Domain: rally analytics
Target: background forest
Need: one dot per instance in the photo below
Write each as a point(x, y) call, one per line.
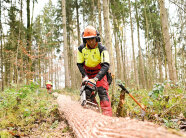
point(145, 45)
point(145, 40)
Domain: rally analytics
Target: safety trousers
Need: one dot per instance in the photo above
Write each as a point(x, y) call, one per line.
point(103, 87)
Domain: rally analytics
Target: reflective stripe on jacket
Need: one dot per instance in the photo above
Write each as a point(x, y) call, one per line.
point(92, 57)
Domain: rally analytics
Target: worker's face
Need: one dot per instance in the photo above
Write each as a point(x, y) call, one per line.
point(91, 42)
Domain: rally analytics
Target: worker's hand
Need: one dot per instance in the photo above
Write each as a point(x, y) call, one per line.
point(94, 80)
point(85, 78)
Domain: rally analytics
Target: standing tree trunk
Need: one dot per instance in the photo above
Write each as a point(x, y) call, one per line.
point(99, 17)
point(108, 41)
point(175, 54)
point(147, 75)
point(77, 73)
point(65, 47)
point(123, 53)
point(22, 76)
point(77, 16)
point(71, 61)
point(29, 62)
point(166, 36)
point(39, 65)
point(160, 64)
point(134, 61)
point(183, 54)
point(141, 65)
point(116, 30)
point(50, 65)
point(93, 20)
point(1, 34)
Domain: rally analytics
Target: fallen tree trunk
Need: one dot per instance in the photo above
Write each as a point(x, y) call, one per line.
point(87, 123)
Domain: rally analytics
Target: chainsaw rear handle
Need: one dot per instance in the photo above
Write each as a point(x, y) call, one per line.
point(89, 84)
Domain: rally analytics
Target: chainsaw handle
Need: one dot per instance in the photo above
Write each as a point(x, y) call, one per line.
point(87, 81)
point(89, 84)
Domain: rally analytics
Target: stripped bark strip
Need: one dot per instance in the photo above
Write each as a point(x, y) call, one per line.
point(120, 104)
point(89, 124)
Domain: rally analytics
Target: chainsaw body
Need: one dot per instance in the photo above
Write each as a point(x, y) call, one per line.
point(88, 92)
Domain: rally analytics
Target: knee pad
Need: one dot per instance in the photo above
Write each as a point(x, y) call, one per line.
point(102, 92)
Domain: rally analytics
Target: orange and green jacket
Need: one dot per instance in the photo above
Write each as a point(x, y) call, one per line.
point(93, 60)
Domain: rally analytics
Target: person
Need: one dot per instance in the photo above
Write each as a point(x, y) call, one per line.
point(49, 87)
point(93, 63)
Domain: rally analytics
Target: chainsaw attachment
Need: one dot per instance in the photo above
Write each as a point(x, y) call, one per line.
point(88, 92)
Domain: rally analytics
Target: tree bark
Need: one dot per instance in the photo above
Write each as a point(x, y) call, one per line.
point(118, 57)
point(124, 53)
point(166, 36)
point(65, 46)
point(141, 65)
point(108, 42)
point(119, 111)
point(147, 48)
point(20, 45)
point(29, 62)
point(93, 13)
point(87, 123)
point(99, 17)
point(133, 53)
point(77, 17)
point(160, 65)
point(1, 38)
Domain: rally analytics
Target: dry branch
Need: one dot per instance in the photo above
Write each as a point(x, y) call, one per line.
point(87, 123)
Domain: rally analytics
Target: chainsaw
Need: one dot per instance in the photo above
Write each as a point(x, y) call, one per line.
point(88, 92)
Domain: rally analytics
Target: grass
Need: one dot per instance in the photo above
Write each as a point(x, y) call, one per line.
point(165, 105)
point(23, 109)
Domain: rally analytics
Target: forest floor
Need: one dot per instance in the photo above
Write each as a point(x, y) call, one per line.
point(58, 129)
point(30, 112)
point(62, 130)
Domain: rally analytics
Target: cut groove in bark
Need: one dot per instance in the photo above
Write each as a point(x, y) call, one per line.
point(87, 123)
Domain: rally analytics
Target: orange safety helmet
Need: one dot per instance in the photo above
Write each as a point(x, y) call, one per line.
point(90, 32)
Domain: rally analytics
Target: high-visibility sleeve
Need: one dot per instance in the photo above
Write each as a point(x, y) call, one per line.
point(80, 58)
point(105, 57)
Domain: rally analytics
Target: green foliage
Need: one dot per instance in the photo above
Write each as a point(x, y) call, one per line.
point(66, 129)
point(170, 124)
point(5, 134)
point(163, 104)
point(157, 91)
point(120, 10)
point(21, 109)
point(55, 124)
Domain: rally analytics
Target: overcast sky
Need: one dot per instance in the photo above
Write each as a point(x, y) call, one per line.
point(40, 5)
